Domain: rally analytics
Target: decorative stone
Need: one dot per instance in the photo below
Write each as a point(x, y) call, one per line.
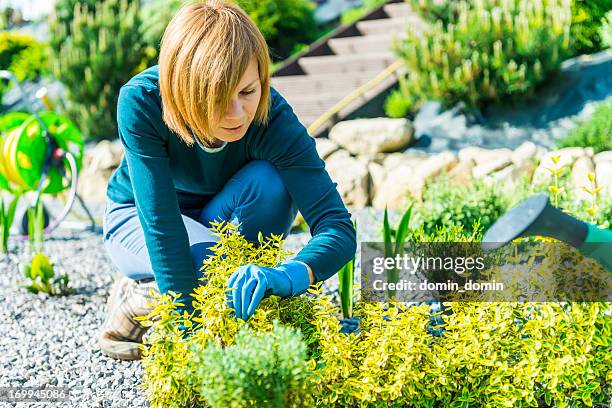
point(525, 151)
point(370, 136)
point(396, 159)
point(435, 165)
point(567, 157)
point(486, 168)
point(377, 178)
point(325, 147)
point(579, 178)
point(479, 156)
point(461, 173)
point(603, 173)
point(352, 178)
point(400, 186)
point(104, 156)
point(602, 157)
point(510, 176)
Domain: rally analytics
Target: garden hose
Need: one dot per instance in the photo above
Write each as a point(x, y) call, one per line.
point(537, 216)
point(28, 143)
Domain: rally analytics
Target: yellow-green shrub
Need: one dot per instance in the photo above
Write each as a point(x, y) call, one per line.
point(491, 354)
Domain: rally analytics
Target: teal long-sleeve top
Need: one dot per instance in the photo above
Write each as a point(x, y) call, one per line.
point(162, 175)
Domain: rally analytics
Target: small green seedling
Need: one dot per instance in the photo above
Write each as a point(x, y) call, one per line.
point(36, 227)
point(7, 215)
point(346, 277)
point(394, 243)
point(42, 276)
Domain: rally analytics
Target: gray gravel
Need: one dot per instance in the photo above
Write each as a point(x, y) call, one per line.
point(52, 340)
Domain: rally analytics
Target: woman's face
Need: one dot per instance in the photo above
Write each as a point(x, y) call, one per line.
point(243, 106)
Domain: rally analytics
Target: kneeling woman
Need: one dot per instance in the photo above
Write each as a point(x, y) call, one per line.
point(207, 139)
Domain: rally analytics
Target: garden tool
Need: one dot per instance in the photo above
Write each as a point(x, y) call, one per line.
point(537, 216)
point(35, 151)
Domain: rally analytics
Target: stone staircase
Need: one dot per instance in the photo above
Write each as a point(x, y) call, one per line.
point(350, 56)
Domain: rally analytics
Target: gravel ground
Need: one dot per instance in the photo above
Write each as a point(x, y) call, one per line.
point(53, 340)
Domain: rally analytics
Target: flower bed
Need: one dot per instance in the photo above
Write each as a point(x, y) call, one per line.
point(292, 351)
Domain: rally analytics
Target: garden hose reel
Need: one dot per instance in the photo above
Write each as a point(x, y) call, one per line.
point(537, 216)
point(36, 150)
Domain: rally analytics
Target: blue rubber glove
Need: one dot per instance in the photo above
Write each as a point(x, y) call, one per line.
point(250, 284)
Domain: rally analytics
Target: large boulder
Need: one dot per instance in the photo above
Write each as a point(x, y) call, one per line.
point(580, 177)
point(406, 181)
point(567, 157)
point(602, 157)
point(603, 173)
point(526, 151)
point(352, 178)
point(325, 147)
point(98, 166)
point(401, 185)
point(478, 155)
point(371, 136)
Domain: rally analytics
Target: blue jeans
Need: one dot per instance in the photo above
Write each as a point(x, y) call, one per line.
point(254, 197)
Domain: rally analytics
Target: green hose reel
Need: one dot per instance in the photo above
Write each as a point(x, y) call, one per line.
point(23, 148)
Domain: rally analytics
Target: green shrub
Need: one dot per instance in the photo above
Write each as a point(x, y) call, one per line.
point(434, 10)
point(7, 216)
point(21, 54)
point(491, 354)
point(283, 23)
point(596, 132)
point(446, 206)
point(95, 50)
point(396, 105)
point(352, 15)
point(491, 51)
point(287, 25)
point(606, 30)
point(259, 369)
point(587, 18)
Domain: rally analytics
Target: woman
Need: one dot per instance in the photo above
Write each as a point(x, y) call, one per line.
point(207, 139)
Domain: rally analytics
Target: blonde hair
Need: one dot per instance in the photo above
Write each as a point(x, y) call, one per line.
point(204, 53)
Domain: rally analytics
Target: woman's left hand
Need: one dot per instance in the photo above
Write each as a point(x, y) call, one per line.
point(250, 284)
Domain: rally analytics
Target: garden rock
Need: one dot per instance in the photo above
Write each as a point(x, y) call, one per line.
point(481, 156)
point(461, 173)
point(511, 175)
point(579, 178)
point(399, 186)
point(104, 156)
point(377, 178)
point(435, 165)
point(396, 159)
point(603, 157)
point(491, 166)
point(325, 147)
point(98, 166)
point(352, 177)
point(567, 157)
point(370, 136)
point(524, 152)
point(603, 173)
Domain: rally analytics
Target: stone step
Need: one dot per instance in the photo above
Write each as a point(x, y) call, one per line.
point(364, 44)
point(317, 83)
point(390, 25)
point(347, 63)
point(308, 108)
point(398, 9)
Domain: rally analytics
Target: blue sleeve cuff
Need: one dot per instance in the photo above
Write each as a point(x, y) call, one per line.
point(297, 272)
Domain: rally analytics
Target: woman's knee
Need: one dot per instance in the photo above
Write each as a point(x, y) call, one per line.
point(265, 179)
